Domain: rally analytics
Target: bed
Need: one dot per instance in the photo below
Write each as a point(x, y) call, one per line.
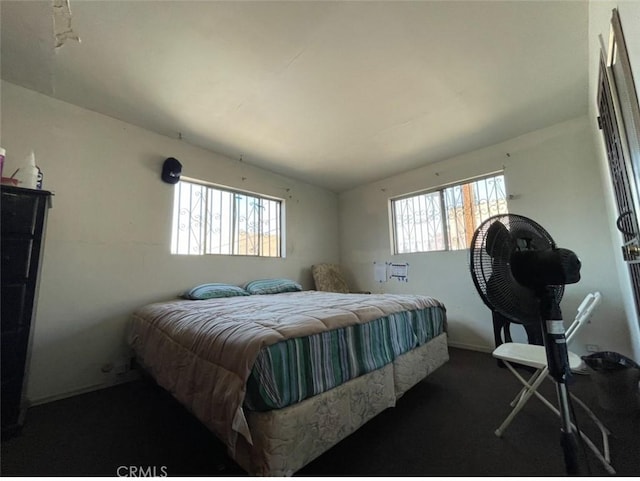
point(281, 378)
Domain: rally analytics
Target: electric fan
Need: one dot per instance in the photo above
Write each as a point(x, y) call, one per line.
point(492, 247)
point(520, 273)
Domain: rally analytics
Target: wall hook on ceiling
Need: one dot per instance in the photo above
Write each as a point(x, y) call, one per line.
point(241, 161)
point(288, 194)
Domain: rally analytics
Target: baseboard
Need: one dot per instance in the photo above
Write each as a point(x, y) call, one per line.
point(120, 379)
point(471, 347)
point(135, 374)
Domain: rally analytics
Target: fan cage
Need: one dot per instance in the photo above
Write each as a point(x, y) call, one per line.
point(492, 246)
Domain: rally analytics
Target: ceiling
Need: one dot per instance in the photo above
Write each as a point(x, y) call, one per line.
point(337, 94)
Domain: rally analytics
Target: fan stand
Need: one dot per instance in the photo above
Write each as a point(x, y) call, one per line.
point(558, 361)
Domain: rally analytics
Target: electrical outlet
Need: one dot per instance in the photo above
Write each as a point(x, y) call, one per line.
point(106, 368)
point(122, 367)
point(592, 348)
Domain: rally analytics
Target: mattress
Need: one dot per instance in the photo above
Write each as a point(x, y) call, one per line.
point(296, 369)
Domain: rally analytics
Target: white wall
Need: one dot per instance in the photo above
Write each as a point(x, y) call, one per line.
point(599, 26)
point(107, 249)
point(107, 245)
point(554, 175)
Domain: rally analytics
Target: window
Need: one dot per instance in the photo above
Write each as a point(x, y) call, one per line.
point(208, 220)
point(445, 219)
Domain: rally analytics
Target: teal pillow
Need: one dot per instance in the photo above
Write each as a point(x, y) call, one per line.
point(272, 286)
point(213, 290)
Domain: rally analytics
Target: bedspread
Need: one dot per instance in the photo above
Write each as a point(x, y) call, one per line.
point(203, 351)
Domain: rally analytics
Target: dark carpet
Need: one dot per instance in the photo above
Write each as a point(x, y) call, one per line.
point(444, 426)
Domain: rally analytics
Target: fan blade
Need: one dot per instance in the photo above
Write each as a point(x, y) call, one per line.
point(511, 299)
point(498, 239)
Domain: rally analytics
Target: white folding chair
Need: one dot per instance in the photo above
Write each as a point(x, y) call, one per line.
point(535, 356)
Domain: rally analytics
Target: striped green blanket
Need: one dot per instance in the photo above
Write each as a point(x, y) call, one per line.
point(293, 370)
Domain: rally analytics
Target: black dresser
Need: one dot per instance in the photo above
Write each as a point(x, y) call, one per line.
point(24, 216)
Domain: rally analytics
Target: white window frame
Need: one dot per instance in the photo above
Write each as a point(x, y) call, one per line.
point(431, 210)
point(209, 230)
